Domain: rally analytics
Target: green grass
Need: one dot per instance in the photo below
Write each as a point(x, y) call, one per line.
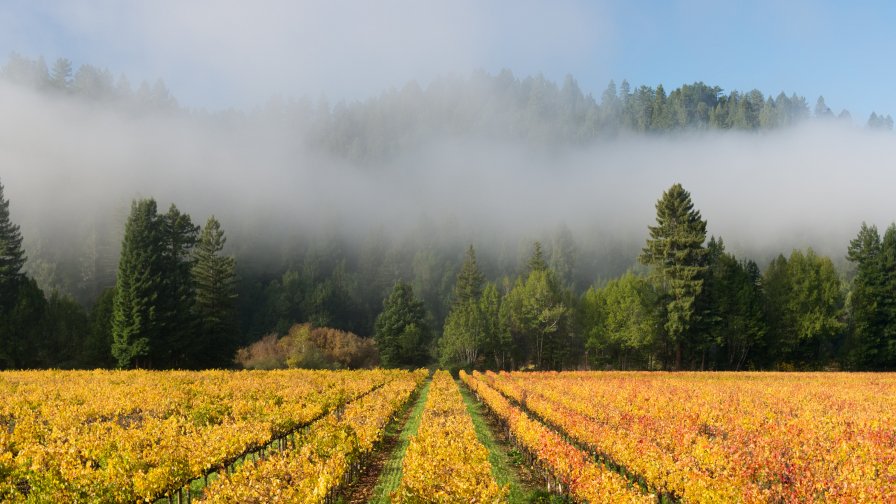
point(390, 477)
point(505, 460)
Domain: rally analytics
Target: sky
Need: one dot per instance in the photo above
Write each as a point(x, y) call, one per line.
point(219, 54)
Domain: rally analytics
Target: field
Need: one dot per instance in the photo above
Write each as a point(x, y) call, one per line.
point(400, 436)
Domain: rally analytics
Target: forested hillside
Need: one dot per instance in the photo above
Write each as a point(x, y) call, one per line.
point(128, 285)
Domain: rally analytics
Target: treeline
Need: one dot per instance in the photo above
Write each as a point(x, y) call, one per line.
point(88, 82)
point(174, 300)
point(696, 307)
point(173, 304)
point(690, 304)
point(503, 106)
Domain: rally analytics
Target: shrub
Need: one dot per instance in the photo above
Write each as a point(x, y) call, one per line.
point(309, 347)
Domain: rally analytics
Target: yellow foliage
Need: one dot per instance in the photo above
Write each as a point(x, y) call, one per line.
point(445, 462)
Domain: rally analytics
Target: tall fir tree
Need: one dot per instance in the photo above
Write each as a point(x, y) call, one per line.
point(867, 319)
point(135, 307)
point(178, 345)
point(468, 286)
point(215, 280)
point(676, 253)
point(12, 283)
point(12, 256)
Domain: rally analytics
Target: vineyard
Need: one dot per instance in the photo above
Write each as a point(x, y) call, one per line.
point(144, 436)
point(703, 437)
point(306, 436)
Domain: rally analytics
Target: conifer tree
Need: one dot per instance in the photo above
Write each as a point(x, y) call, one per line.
point(12, 256)
point(178, 345)
point(873, 299)
point(536, 261)
point(867, 319)
point(468, 286)
point(135, 312)
point(676, 253)
point(215, 280)
point(401, 331)
point(14, 292)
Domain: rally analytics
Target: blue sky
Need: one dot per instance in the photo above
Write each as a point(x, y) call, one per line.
point(225, 53)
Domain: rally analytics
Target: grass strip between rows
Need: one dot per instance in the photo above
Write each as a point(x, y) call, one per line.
point(391, 474)
point(445, 462)
point(575, 470)
point(503, 467)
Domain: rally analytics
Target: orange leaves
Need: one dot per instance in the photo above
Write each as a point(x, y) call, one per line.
point(445, 462)
point(585, 479)
point(105, 436)
point(729, 437)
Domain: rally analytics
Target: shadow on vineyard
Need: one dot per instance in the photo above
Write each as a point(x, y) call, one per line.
point(598, 457)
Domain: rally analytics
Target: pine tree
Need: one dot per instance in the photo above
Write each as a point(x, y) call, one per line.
point(12, 256)
point(676, 253)
point(13, 286)
point(178, 345)
point(61, 75)
point(135, 312)
point(867, 320)
point(215, 281)
point(468, 286)
point(536, 261)
point(401, 332)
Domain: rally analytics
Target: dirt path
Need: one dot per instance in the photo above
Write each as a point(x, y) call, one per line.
point(383, 472)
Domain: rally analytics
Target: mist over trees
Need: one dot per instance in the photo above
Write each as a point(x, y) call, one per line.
point(498, 107)
point(153, 289)
point(697, 307)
